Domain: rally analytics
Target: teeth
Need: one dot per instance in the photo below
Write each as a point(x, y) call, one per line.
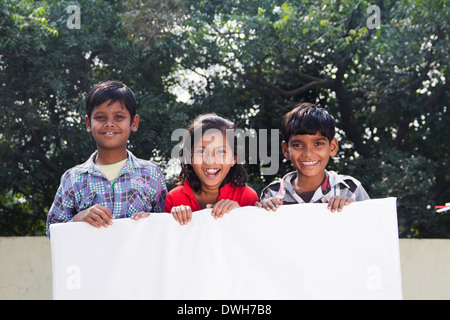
point(211, 171)
point(309, 163)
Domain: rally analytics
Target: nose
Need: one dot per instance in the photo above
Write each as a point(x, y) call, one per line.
point(109, 123)
point(208, 158)
point(305, 151)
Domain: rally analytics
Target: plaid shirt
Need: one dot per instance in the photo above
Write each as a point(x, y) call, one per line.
point(140, 186)
point(333, 185)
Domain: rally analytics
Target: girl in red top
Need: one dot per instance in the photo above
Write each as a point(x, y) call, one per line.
point(210, 175)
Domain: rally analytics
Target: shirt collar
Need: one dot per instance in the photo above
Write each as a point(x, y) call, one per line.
point(331, 179)
point(90, 167)
point(223, 192)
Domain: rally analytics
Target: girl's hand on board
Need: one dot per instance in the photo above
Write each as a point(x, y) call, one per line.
point(221, 207)
point(183, 214)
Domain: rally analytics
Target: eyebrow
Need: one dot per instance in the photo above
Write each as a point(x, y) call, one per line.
point(294, 140)
point(103, 112)
point(204, 147)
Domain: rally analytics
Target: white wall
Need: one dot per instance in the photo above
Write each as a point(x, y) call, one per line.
point(26, 268)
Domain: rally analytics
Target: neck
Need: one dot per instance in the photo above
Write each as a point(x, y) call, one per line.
point(208, 191)
point(110, 156)
point(303, 183)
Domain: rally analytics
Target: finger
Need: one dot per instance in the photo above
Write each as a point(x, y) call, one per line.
point(92, 221)
point(276, 203)
point(227, 207)
point(345, 202)
point(174, 213)
point(265, 205)
point(323, 200)
point(217, 208)
point(105, 210)
point(209, 206)
point(349, 201)
point(332, 204)
point(258, 204)
point(103, 213)
point(180, 215)
point(98, 217)
point(271, 205)
point(140, 215)
point(183, 215)
point(188, 214)
point(341, 203)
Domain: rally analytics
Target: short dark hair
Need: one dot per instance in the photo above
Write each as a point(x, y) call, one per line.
point(114, 91)
point(308, 118)
point(201, 124)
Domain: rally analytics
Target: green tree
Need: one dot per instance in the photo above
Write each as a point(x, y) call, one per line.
point(386, 86)
point(250, 61)
point(46, 71)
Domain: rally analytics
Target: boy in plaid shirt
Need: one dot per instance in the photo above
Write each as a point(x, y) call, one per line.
point(113, 183)
point(308, 133)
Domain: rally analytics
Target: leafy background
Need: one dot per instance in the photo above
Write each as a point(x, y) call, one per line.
point(250, 61)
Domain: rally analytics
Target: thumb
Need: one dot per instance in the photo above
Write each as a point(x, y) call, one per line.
point(323, 200)
point(209, 206)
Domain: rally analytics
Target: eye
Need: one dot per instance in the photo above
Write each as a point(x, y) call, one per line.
point(319, 143)
point(118, 117)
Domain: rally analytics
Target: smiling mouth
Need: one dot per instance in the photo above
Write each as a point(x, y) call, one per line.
point(309, 163)
point(109, 133)
point(211, 173)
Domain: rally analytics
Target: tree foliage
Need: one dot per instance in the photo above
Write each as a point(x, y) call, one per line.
point(250, 61)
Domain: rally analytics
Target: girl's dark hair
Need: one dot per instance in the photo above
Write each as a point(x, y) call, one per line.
point(114, 91)
point(201, 124)
point(308, 118)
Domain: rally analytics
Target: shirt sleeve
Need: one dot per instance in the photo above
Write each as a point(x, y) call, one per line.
point(270, 191)
point(160, 194)
point(168, 203)
point(63, 205)
point(361, 193)
point(249, 197)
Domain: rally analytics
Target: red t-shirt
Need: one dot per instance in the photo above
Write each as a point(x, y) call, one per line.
point(183, 195)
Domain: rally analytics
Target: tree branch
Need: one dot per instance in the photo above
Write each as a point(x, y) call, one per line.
point(40, 153)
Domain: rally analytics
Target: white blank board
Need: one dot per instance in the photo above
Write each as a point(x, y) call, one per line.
point(298, 252)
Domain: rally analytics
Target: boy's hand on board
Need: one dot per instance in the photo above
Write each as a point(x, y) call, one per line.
point(338, 203)
point(97, 216)
point(140, 215)
point(270, 203)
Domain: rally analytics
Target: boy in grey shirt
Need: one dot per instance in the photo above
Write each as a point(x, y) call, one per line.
point(308, 133)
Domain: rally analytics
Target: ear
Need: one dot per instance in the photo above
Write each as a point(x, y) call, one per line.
point(135, 123)
point(334, 147)
point(88, 123)
point(285, 150)
point(234, 161)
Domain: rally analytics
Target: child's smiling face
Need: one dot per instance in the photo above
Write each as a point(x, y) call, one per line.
point(212, 159)
point(309, 154)
point(111, 125)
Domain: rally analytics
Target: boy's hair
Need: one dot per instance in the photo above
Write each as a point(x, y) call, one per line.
point(201, 124)
point(308, 118)
point(114, 91)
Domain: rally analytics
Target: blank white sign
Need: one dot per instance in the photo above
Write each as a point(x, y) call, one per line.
point(298, 252)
